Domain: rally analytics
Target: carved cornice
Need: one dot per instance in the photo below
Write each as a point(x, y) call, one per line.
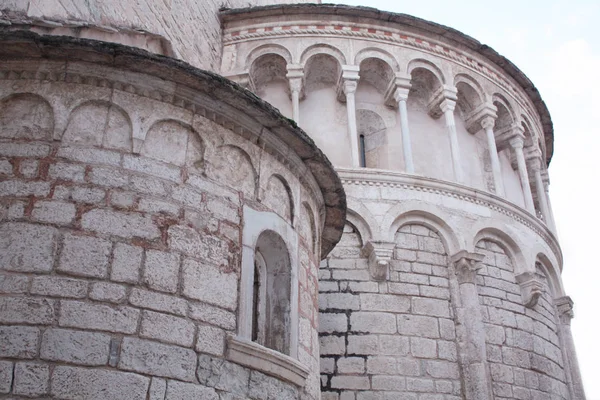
point(391, 179)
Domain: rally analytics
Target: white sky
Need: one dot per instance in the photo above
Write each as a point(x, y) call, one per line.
point(557, 44)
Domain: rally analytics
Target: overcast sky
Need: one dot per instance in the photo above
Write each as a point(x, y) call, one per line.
point(557, 44)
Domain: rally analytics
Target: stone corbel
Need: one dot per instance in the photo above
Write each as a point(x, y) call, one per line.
point(444, 95)
point(532, 287)
point(507, 136)
point(467, 265)
point(347, 81)
point(474, 120)
point(295, 75)
point(564, 306)
point(243, 79)
point(379, 254)
point(398, 86)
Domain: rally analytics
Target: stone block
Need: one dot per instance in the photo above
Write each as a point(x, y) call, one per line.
point(403, 288)
point(332, 345)
point(211, 340)
point(223, 375)
point(126, 263)
point(339, 301)
point(31, 379)
point(417, 325)
point(435, 292)
point(393, 345)
point(75, 314)
point(67, 172)
point(72, 383)
point(33, 150)
point(356, 287)
point(351, 275)
point(381, 365)
point(350, 382)
point(148, 185)
point(16, 210)
point(90, 156)
point(213, 315)
point(419, 385)
point(447, 350)
point(161, 271)
point(188, 196)
point(107, 291)
point(198, 245)
point(13, 283)
point(209, 283)
point(447, 329)
point(223, 210)
point(330, 323)
point(6, 376)
point(151, 167)
point(149, 357)
point(88, 195)
point(29, 168)
point(6, 167)
point(18, 188)
point(373, 322)
point(76, 347)
point(157, 206)
point(427, 306)
point(360, 345)
point(409, 367)
point(121, 199)
point(188, 391)
point(18, 341)
point(167, 328)
point(57, 286)
point(442, 369)
point(26, 310)
point(384, 302)
point(351, 365)
point(158, 389)
point(126, 225)
point(27, 247)
point(84, 256)
point(327, 365)
point(391, 383)
point(158, 301)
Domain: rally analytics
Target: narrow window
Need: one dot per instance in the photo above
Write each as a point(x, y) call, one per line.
point(363, 154)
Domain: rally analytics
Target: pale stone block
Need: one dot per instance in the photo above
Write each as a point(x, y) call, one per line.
point(393, 345)
point(381, 365)
point(158, 301)
point(22, 189)
point(447, 350)
point(18, 341)
point(223, 375)
point(351, 365)
point(502, 373)
point(109, 177)
point(126, 263)
point(90, 156)
point(198, 245)
point(151, 167)
point(409, 367)
point(26, 310)
point(16, 210)
point(331, 323)
point(435, 292)
point(59, 287)
point(417, 325)
point(77, 314)
point(351, 275)
point(27, 247)
point(32, 150)
point(384, 302)
point(122, 199)
point(209, 283)
point(106, 291)
point(339, 301)
point(403, 288)
point(29, 168)
point(212, 315)
point(158, 359)
point(447, 329)
point(12, 283)
point(350, 382)
point(188, 196)
point(85, 348)
point(157, 206)
point(332, 345)
point(187, 391)
point(327, 365)
point(126, 225)
point(373, 322)
point(392, 383)
point(6, 376)
point(161, 271)
point(442, 369)
point(223, 211)
point(167, 328)
point(158, 389)
point(365, 345)
point(31, 379)
point(6, 167)
point(67, 172)
point(85, 256)
point(427, 306)
point(420, 385)
point(357, 287)
point(413, 278)
point(88, 195)
point(148, 185)
point(72, 383)
point(211, 340)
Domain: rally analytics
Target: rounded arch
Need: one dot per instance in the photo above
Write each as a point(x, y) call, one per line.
point(371, 52)
point(376, 72)
point(278, 195)
point(267, 49)
point(321, 70)
point(308, 226)
point(321, 48)
point(505, 112)
point(508, 244)
point(419, 63)
point(174, 141)
point(233, 167)
point(530, 137)
point(470, 93)
point(26, 115)
point(268, 68)
point(552, 274)
point(361, 225)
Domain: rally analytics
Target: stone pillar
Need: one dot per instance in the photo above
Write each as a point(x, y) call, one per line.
point(564, 306)
point(401, 96)
point(295, 76)
point(516, 142)
point(346, 88)
point(487, 124)
point(447, 107)
point(536, 166)
point(546, 180)
point(470, 330)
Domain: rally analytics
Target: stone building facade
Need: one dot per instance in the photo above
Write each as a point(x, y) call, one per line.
point(166, 234)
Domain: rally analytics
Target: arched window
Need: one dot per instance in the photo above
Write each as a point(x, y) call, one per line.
point(271, 324)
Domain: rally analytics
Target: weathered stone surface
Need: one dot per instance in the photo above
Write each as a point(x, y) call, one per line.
point(106, 291)
point(27, 247)
point(158, 359)
point(98, 317)
point(13, 283)
point(126, 225)
point(167, 328)
point(76, 347)
point(85, 256)
point(161, 271)
point(188, 391)
point(31, 379)
point(126, 263)
point(211, 340)
point(19, 341)
point(212, 315)
point(57, 286)
point(6, 376)
point(26, 310)
point(222, 375)
point(96, 384)
point(158, 301)
point(54, 212)
point(197, 245)
point(209, 283)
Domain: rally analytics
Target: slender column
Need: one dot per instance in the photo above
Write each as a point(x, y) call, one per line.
point(551, 213)
point(295, 76)
point(487, 124)
point(401, 96)
point(516, 142)
point(470, 330)
point(564, 306)
point(536, 167)
point(447, 107)
point(350, 86)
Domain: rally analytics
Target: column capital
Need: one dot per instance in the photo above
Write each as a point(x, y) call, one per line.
point(516, 141)
point(488, 122)
point(535, 164)
point(446, 94)
point(380, 254)
point(347, 81)
point(532, 287)
point(448, 105)
point(475, 119)
point(397, 90)
point(466, 265)
point(564, 305)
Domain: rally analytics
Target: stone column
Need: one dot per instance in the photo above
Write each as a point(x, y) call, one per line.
point(401, 96)
point(564, 306)
point(350, 86)
point(295, 76)
point(487, 124)
point(547, 193)
point(447, 107)
point(470, 330)
point(516, 142)
point(536, 167)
